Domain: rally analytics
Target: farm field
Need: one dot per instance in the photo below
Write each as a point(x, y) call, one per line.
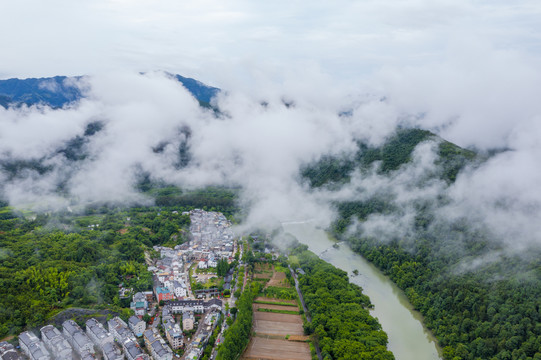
point(277, 324)
point(273, 349)
point(276, 335)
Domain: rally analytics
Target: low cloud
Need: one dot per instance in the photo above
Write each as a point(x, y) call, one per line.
point(262, 137)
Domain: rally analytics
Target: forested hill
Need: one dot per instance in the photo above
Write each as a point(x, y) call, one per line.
point(62, 90)
point(396, 151)
point(478, 304)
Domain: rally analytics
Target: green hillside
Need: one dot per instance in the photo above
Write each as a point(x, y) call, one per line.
point(492, 312)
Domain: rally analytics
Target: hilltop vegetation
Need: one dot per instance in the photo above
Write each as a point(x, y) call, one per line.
point(396, 151)
point(489, 311)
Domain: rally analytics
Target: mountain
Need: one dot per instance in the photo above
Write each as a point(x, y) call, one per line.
point(61, 90)
point(480, 300)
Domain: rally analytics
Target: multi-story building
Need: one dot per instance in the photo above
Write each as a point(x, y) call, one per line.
point(111, 351)
point(133, 351)
point(120, 331)
point(187, 320)
point(180, 289)
point(163, 294)
point(157, 346)
point(137, 325)
point(56, 343)
point(97, 333)
point(173, 334)
point(85, 355)
point(199, 306)
point(179, 306)
point(139, 304)
point(77, 338)
point(33, 347)
point(8, 352)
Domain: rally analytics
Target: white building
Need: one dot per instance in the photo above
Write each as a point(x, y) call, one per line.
point(139, 304)
point(180, 289)
point(157, 346)
point(8, 352)
point(173, 334)
point(120, 331)
point(212, 261)
point(133, 351)
point(57, 345)
point(33, 347)
point(187, 320)
point(77, 338)
point(137, 325)
point(111, 352)
point(97, 333)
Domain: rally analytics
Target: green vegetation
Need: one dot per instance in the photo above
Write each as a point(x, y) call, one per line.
point(340, 319)
point(280, 293)
point(222, 268)
point(212, 340)
point(396, 151)
point(328, 170)
point(236, 338)
point(273, 303)
point(209, 199)
point(453, 159)
point(492, 312)
point(52, 262)
point(474, 315)
point(290, 312)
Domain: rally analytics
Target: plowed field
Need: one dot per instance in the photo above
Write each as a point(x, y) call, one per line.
point(272, 349)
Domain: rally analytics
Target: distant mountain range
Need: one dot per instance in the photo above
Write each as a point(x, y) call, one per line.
point(60, 90)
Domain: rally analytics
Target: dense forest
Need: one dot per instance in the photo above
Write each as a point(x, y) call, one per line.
point(340, 318)
point(489, 312)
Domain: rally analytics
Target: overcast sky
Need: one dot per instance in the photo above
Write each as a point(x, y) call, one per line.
point(216, 40)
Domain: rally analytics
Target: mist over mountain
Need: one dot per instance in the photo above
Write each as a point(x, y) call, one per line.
point(59, 91)
point(337, 150)
point(439, 219)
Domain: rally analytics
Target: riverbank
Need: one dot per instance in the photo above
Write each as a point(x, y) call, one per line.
point(408, 338)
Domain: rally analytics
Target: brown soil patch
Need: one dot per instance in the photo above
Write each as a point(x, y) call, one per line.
point(284, 318)
point(123, 231)
point(275, 307)
point(279, 279)
point(261, 298)
point(277, 324)
point(272, 349)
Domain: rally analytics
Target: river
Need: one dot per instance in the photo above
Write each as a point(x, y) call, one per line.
point(408, 338)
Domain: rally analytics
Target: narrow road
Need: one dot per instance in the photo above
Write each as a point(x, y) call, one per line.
point(306, 313)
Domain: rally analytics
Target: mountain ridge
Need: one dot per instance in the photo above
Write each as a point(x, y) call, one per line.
point(58, 91)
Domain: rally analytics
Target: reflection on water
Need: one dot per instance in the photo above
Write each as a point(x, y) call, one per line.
point(408, 339)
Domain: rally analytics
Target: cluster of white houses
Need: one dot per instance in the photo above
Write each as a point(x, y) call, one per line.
point(211, 240)
point(118, 343)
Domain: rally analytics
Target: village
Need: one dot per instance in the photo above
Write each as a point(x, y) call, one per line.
point(188, 302)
